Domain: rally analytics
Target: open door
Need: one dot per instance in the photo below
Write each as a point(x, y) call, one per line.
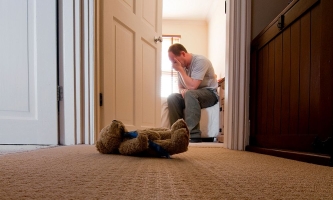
point(28, 78)
point(128, 63)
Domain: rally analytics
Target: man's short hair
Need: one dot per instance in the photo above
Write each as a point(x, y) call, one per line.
point(176, 49)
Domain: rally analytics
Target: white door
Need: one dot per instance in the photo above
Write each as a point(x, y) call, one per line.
point(28, 77)
point(129, 62)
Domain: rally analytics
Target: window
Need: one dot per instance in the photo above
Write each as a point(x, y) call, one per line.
point(169, 79)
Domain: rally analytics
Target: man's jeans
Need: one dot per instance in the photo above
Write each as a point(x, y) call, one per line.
point(193, 102)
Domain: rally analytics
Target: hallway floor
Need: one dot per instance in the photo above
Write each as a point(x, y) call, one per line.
point(7, 149)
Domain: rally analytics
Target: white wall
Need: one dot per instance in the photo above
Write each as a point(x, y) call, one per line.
point(194, 34)
point(217, 37)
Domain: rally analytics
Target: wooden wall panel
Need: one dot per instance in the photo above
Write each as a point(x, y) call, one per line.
point(270, 88)
point(304, 71)
point(326, 69)
point(253, 90)
point(294, 74)
point(278, 84)
point(285, 99)
point(292, 81)
point(260, 91)
point(265, 90)
point(314, 108)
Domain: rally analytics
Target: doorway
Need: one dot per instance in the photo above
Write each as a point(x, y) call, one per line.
point(201, 27)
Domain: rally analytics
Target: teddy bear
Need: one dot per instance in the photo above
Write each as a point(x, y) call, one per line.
point(161, 142)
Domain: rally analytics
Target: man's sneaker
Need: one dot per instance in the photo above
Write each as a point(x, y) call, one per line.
point(195, 140)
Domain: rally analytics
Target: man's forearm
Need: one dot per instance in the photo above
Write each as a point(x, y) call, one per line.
point(190, 83)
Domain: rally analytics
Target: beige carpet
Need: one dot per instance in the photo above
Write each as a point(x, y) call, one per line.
point(80, 172)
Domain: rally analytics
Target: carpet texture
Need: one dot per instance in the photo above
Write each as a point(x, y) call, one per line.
point(80, 172)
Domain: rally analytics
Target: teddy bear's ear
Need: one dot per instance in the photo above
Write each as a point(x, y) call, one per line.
point(116, 124)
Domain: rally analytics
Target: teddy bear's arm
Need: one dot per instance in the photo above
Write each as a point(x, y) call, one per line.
point(134, 146)
point(151, 134)
point(165, 134)
point(158, 129)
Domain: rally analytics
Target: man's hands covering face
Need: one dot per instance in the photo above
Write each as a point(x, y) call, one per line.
point(176, 65)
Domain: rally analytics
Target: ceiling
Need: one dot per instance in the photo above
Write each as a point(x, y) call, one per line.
point(187, 9)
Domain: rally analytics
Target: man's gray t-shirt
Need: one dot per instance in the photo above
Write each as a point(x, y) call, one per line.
point(201, 69)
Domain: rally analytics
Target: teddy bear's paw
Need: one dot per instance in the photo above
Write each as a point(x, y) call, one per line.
point(143, 139)
point(180, 140)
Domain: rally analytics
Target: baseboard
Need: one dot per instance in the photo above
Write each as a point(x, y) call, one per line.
point(320, 159)
point(220, 138)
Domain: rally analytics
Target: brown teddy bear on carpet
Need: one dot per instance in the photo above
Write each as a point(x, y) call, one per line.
point(115, 139)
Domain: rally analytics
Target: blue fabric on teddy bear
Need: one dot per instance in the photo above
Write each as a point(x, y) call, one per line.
point(160, 151)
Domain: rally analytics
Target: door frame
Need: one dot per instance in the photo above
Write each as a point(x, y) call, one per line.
point(76, 71)
point(78, 115)
point(237, 76)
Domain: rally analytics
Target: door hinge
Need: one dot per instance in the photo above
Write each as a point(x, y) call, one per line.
point(60, 93)
point(225, 7)
point(100, 99)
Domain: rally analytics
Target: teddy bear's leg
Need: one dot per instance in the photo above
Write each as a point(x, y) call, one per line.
point(134, 146)
point(178, 143)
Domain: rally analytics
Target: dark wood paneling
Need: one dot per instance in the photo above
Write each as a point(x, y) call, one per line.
point(314, 110)
point(321, 159)
point(295, 142)
point(326, 68)
point(300, 7)
point(260, 91)
point(278, 84)
point(291, 12)
point(285, 99)
point(305, 62)
point(270, 88)
point(294, 74)
point(253, 92)
point(265, 90)
point(293, 84)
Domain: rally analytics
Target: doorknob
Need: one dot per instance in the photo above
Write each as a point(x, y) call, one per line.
point(158, 39)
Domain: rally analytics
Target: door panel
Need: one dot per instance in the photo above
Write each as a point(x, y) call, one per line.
point(129, 4)
point(14, 99)
point(28, 78)
point(148, 77)
point(124, 74)
point(148, 14)
point(128, 61)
